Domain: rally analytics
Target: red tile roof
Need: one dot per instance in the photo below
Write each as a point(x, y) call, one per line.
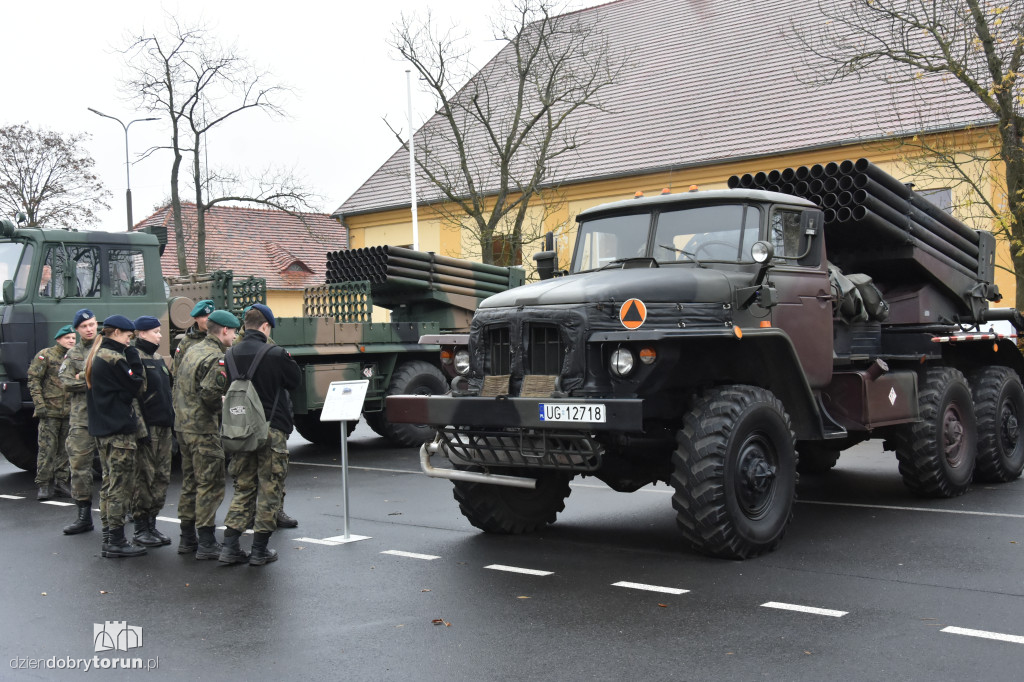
point(710, 81)
point(263, 242)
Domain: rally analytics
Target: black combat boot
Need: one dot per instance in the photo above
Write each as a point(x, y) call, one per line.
point(44, 492)
point(84, 520)
point(164, 540)
point(285, 521)
point(260, 553)
point(208, 548)
point(231, 552)
point(143, 535)
point(118, 547)
point(106, 541)
point(62, 489)
point(189, 543)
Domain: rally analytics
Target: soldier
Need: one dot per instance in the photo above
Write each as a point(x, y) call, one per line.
point(200, 383)
point(81, 447)
point(154, 451)
point(51, 407)
point(195, 334)
point(265, 468)
point(115, 377)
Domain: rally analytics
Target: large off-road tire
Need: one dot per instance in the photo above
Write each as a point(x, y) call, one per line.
point(19, 443)
point(511, 511)
point(327, 434)
point(414, 377)
point(999, 406)
point(815, 458)
point(937, 452)
point(735, 472)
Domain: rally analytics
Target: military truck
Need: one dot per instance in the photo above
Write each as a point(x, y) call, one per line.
point(712, 341)
point(49, 274)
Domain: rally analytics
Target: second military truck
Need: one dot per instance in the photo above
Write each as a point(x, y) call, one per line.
point(710, 341)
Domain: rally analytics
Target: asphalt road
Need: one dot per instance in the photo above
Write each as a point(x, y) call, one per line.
point(870, 583)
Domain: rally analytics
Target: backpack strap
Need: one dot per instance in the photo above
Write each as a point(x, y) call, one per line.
point(230, 359)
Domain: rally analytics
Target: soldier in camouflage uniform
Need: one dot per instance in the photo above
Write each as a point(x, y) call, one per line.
point(259, 480)
point(51, 408)
point(155, 450)
point(115, 377)
point(200, 383)
point(194, 335)
point(81, 447)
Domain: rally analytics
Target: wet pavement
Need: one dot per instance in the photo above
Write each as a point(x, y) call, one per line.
point(869, 583)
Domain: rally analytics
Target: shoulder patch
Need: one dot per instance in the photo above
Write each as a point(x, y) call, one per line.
point(42, 357)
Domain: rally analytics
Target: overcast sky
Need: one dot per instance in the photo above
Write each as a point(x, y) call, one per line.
point(60, 57)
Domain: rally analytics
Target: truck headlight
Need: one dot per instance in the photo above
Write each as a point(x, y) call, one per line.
point(622, 361)
point(462, 361)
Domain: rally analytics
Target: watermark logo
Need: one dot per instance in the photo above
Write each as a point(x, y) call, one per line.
point(116, 635)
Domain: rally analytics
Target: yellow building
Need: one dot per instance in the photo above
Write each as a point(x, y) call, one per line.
point(712, 89)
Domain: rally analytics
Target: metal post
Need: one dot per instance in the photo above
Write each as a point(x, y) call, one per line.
point(127, 163)
point(344, 472)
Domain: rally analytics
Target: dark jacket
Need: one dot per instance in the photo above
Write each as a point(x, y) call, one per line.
point(276, 376)
point(156, 403)
point(117, 378)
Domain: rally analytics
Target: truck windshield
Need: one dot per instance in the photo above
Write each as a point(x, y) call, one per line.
point(16, 264)
point(692, 234)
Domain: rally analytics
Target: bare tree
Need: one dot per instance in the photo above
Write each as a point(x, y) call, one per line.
point(973, 45)
point(185, 74)
point(506, 136)
point(49, 177)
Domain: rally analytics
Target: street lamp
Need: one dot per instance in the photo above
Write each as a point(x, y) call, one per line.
point(127, 165)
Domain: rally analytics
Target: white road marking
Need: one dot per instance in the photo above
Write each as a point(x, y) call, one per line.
point(318, 542)
point(338, 466)
point(916, 509)
point(12, 497)
point(410, 555)
point(168, 519)
point(805, 609)
point(55, 503)
point(1015, 639)
point(516, 569)
point(650, 588)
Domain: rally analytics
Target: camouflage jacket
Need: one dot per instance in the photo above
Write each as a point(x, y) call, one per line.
point(72, 375)
point(118, 378)
point(199, 386)
point(48, 393)
point(192, 336)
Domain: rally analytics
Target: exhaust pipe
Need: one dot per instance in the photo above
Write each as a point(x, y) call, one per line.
point(428, 449)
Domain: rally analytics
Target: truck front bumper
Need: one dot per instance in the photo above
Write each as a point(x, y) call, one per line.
point(623, 415)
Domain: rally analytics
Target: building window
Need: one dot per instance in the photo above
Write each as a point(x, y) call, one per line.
point(502, 251)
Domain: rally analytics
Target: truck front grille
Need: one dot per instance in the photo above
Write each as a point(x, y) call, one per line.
point(500, 351)
point(545, 355)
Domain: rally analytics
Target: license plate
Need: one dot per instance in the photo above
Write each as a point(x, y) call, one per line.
point(568, 412)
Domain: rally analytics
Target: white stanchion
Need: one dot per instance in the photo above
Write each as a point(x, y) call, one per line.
point(344, 403)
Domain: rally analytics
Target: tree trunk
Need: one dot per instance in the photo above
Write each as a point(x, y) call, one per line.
point(200, 213)
point(179, 230)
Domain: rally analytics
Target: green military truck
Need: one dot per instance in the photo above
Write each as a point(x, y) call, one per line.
point(47, 275)
point(706, 339)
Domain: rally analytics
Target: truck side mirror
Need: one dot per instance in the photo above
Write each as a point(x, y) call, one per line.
point(9, 291)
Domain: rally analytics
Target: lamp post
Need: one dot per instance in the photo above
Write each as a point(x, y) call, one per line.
point(127, 165)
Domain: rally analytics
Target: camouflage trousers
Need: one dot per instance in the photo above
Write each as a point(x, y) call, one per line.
point(259, 485)
point(207, 456)
point(81, 448)
point(119, 462)
point(52, 460)
point(154, 472)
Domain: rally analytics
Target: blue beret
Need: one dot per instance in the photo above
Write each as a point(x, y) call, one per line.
point(81, 316)
point(266, 312)
point(146, 322)
point(224, 319)
point(119, 322)
point(204, 307)
point(64, 331)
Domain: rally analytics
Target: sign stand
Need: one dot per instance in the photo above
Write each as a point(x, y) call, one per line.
point(344, 403)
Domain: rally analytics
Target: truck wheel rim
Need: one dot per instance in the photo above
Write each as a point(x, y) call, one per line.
point(755, 486)
point(1009, 431)
point(953, 436)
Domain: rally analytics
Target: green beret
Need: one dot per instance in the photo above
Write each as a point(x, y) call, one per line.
point(204, 307)
point(64, 331)
point(224, 319)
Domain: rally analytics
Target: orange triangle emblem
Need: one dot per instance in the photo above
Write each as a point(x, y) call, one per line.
point(632, 313)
